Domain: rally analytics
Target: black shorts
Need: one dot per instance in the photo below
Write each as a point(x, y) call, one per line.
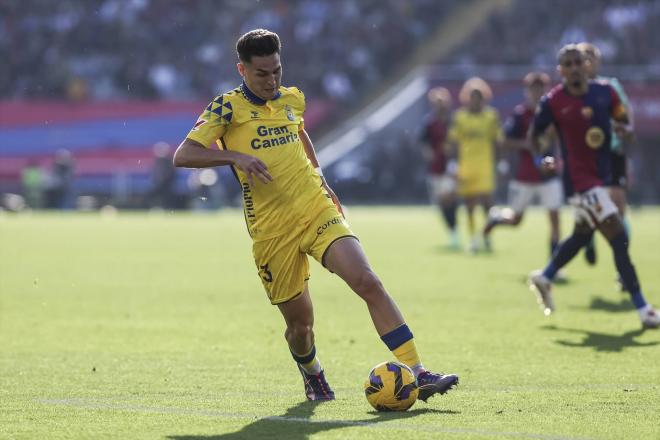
point(619, 170)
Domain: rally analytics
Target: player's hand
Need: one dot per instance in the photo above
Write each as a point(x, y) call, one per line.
point(548, 166)
point(334, 198)
point(623, 131)
point(250, 166)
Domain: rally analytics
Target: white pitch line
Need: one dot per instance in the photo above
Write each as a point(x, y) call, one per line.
point(377, 424)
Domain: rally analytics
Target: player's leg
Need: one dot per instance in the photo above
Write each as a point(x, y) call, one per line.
point(618, 195)
point(346, 258)
point(298, 315)
point(613, 230)
point(618, 191)
point(552, 198)
point(553, 217)
point(284, 271)
point(470, 205)
point(449, 206)
point(541, 280)
point(443, 194)
point(519, 197)
point(486, 202)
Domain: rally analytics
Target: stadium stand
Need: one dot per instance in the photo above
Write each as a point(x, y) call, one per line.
point(532, 32)
point(107, 80)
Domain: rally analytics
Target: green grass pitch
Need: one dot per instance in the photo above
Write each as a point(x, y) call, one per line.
point(155, 326)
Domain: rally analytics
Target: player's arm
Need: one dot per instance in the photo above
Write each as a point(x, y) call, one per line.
point(622, 123)
point(192, 154)
point(425, 143)
point(540, 137)
point(514, 137)
point(311, 155)
point(542, 120)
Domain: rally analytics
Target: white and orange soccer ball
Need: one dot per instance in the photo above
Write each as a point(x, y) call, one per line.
point(391, 386)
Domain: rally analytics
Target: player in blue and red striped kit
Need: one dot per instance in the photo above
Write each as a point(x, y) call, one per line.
point(585, 113)
point(530, 182)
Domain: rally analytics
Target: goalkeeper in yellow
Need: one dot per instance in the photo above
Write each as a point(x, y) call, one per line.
point(290, 211)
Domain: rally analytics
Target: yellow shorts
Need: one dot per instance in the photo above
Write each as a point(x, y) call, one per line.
point(282, 261)
point(475, 182)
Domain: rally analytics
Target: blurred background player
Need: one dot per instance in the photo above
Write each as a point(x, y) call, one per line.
point(163, 178)
point(59, 188)
point(530, 181)
point(619, 184)
point(583, 112)
point(474, 135)
point(441, 177)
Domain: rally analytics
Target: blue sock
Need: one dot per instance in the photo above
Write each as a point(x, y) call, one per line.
point(554, 245)
point(626, 269)
point(565, 253)
point(397, 337)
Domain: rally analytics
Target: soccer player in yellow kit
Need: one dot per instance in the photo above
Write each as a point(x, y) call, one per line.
point(290, 211)
point(474, 134)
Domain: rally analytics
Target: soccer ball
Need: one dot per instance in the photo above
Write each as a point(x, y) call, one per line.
point(391, 386)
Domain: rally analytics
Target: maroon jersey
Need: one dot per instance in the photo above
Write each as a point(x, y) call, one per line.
point(516, 127)
point(435, 135)
point(585, 132)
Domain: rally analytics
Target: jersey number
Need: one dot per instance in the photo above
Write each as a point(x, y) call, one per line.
point(265, 273)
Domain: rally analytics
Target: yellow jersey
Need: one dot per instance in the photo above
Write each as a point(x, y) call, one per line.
point(475, 134)
point(241, 121)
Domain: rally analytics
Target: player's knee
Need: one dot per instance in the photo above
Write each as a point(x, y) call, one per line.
point(583, 229)
point(612, 227)
point(300, 330)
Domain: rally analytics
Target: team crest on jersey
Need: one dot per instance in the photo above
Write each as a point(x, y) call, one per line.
point(289, 113)
point(587, 112)
point(595, 137)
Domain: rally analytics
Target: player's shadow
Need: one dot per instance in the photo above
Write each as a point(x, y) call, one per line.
point(446, 249)
point(623, 305)
point(603, 342)
point(296, 424)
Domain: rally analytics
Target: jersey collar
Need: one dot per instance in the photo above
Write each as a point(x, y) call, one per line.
point(254, 99)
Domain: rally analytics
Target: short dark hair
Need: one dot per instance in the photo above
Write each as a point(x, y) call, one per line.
point(534, 78)
point(568, 48)
point(259, 43)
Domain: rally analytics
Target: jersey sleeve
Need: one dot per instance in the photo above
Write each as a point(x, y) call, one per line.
point(302, 104)
point(213, 123)
point(543, 117)
point(618, 109)
point(454, 133)
point(513, 126)
point(498, 134)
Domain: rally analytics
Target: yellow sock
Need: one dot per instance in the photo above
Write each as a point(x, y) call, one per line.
point(407, 354)
point(309, 362)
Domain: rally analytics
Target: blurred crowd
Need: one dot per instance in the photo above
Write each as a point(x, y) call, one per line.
point(119, 49)
point(626, 32)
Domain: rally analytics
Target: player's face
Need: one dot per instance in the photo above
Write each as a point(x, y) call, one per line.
point(592, 64)
point(440, 106)
point(262, 75)
point(476, 103)
point(572, 68)
point(534, 92)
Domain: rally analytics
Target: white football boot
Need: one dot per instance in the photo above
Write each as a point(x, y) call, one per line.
point(542, 288)
point(650, 318)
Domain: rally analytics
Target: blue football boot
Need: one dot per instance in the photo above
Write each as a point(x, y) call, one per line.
point(431, 383)
point(316, 387)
